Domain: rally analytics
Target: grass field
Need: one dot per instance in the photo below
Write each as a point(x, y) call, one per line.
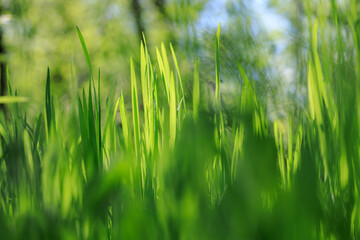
point(166, 166)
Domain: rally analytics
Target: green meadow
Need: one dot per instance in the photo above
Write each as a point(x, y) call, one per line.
point(171, 158)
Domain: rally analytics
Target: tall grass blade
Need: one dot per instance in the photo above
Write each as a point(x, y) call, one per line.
point(196, 90)
point(124, 123)
point(178, 73)
point(135, 109)
point(217, 68)
point(48, 101)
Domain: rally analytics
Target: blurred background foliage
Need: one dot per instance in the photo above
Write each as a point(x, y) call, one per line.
point(38, 33)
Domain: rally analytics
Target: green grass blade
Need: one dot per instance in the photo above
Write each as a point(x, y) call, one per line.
point(248, 96)
point(115, 110)
point(28, 154)
point(217, 68)
point(99, 118)
point(84, 105)
point(124, 122)
point(238, 146)
point(83, 45)
point(165, 60)
point(95, 164)
point(173, 110)
point(48, 101)
point(144, 78)
point(8, 81)
point(163, 74)
point(135, 108)
point(196, 90)
point(178, 73)
point(37, 132)
point(82, 123)
point(344, 169)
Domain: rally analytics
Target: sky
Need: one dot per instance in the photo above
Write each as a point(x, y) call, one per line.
point(270, 21)
point(215, 12)
point(269, 18)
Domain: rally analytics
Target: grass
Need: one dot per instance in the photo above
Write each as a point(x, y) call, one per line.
point(180, 171)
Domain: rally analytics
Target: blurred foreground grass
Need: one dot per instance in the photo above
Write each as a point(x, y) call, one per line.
point(173, 168)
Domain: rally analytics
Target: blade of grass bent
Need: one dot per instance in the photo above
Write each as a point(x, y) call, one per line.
point(83, 45)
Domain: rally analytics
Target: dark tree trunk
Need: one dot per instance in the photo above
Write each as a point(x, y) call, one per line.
point(136, 9)
point(160, 4)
